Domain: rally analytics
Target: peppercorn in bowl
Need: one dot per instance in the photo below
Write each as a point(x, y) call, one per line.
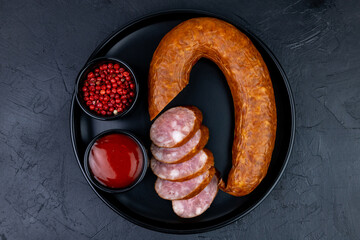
point(106, 89)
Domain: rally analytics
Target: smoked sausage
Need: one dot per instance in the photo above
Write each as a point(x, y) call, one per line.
point(249, 82)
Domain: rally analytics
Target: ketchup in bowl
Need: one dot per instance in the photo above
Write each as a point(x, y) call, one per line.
point(116, 160)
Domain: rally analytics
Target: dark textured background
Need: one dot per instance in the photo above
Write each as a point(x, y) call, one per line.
point(44, 44)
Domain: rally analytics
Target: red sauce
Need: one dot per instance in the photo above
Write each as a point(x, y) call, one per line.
point(116, 160)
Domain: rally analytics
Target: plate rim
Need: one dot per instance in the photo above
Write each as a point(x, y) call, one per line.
point(292, 132)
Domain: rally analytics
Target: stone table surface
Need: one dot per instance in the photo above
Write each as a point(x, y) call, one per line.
point(44, 44)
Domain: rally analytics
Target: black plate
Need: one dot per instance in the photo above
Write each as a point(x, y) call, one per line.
point(208, 90)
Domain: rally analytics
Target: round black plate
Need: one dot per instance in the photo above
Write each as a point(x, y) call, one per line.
point(208, 90)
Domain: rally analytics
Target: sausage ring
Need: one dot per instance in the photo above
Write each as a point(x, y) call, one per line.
point(249, 82)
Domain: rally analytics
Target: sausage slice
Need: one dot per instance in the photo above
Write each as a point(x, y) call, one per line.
point(175, 126)
point(183, 190)
point(185, 151)
point(197, 205)
point(192, 168)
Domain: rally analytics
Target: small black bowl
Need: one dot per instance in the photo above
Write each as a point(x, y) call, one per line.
point(97, 183)
point(83, 74)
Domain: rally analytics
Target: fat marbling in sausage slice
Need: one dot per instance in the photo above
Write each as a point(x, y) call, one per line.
point(249, 82)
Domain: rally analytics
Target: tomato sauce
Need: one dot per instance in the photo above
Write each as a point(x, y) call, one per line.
point(116, 160)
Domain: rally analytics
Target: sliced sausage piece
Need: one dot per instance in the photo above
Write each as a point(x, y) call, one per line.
point(175, 126)
point(179, 172)
point(183, 190)
point(185, 151)
point(195, 206)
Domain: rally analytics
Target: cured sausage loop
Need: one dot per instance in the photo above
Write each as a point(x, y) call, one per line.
point(249, 82)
